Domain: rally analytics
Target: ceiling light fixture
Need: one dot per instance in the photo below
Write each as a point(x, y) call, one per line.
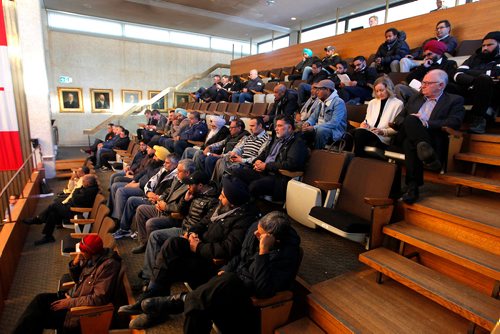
point(270, 2)
point(293, 18)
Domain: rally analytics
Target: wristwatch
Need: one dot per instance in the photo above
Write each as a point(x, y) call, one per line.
point(209, 154)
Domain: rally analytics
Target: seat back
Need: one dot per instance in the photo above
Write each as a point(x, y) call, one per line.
point(245, 109)
point(102, 212)
point(221, 108)
point(232, 108)
point(397, 77)
point(99, 199)
point(107, 225)
point(356, 114)
point(326, 166)
point(212, 107)
point(258, 109)
point(365, 178)
point(269, 87)
point(296, 84)
point(189, 106)
point(203, 107)
point(275, 73)
point(468, 47)
point(196, 106)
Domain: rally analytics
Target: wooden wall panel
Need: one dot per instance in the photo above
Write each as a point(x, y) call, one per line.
point(470, 21)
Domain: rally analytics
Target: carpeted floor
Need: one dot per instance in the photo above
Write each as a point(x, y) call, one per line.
point(325, 256)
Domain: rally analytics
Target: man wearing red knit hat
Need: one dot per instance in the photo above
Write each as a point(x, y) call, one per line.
point(94, 271)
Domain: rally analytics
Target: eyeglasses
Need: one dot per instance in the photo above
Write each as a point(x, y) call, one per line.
point(234, 127)
point(321, 88)
point(441, 27)
point(427, 83)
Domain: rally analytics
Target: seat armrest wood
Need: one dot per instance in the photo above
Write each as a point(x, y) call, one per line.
point(325, 185)
point(452, 132)
point(82, 221)
point(279, 297)
point(80, 235)
point(378, 201)
point(291, 174)
point(87, 310)
point(82, 210)
point(67, 285)
point(196, 143)
point(219, 262)
point(177, 215)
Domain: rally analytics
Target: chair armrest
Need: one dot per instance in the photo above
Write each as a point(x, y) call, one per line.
point(291, 174)
point(378, 201)
point(67, 285)
point(73, 254)
point(268, 91)
point(196, 143)
point(88, 310)
point(279, 297)
point(177, 215)
point(452, 132)
point(82, 221)
point(80, 235)
point(324, 185)
point(81, 210)
point(219, 262)
point(120, 152)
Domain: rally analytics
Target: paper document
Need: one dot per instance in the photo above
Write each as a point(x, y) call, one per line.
point(344, 78)
point(415, 84)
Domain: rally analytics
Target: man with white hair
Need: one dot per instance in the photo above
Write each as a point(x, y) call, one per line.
point(254, 85)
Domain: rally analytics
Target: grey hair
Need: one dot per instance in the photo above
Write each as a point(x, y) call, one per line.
point(442, 76)
point(173, 158)
point(274, 222)
point(188, 165)
point(281, 88)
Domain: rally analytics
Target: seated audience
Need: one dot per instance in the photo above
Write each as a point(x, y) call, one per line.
point(210, 94)
point(287, 151)
point(109, 134)
point(328, 121)
point(150, 121)
point(56, 212)
point(77, 182)
point(443, 29)
point(95, 272)
point(285, 103)
point(179, 123)
point(434, 60)
point(245, 152)
point(206, 159)
point(340, 68)
point(391, 51)
point(307, 109)
point(420, 129)
point(105, 151)
point(189, 258)
point(316, 75)
point(8, 212)
point(196, 131)
point(268, 262)
point(359, 88)
point(151, 130)
point(303, 68)
point(382, 110)
point(477, 80)
point(218, 131)
point(127, 199)
point(252, 86)
point(331, 59)
point(159, 216)
point(128, 171)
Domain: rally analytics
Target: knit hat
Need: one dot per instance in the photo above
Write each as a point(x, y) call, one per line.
point(196, 178)
point(160, 152)
point(308, 52)
point(235, 190)
point(436, 47)
point(493, 35)
point(91, 244)
point(181, 111)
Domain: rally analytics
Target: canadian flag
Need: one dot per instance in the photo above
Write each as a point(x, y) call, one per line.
point(10, 145)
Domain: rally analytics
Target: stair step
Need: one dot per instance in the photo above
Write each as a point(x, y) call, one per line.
point(355, 303)
point(301, 326)
point(465, 255)
point(479, 308)
point(479, 158)
point(489, 137)
point(472, 181)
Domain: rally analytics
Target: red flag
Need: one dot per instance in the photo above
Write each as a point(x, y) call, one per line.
point(10, 145)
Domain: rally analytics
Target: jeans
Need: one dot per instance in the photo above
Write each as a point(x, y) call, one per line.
point(155, 241)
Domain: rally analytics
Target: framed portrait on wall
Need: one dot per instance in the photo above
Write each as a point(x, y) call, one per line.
point(160, 104)
point(70, 99)
point(180, 98)
point(101, 99)
point(131, 97)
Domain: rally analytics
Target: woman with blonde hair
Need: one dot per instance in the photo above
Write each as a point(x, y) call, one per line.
point(382, 110)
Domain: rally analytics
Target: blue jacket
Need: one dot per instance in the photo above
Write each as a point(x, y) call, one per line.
point(196, 132)
point(335, 116)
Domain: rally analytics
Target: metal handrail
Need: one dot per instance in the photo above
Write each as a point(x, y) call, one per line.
point(139, 106)
point(11, 180)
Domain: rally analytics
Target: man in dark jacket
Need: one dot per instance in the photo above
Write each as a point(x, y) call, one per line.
point(286, 151)
point(359, 89)
point(285, 103)
point(253, 85)
point(391, 51)
point(94, 270)
point(477, 80)
point(434, 60)
point(57, 212)
point(189, 258)
point(268, 262)
point(318, 73)
point(331, 59)
point(196, 131)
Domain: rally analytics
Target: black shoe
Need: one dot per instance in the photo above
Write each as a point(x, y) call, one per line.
point(411, 196)
point(144, 321)
point(139, 249)
point(133, 309)
point(45, 240)
point(427, 155)
point(157, 306)
point(33, 221)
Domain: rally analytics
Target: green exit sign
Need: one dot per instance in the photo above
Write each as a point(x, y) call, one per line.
point(64, 79)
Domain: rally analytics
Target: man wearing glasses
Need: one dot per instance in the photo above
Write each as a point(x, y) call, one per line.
point(420, 126)
point(443, 29)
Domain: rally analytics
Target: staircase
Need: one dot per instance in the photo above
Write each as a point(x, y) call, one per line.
point(440, 280)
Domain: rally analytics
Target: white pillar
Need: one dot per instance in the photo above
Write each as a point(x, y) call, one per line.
point(32, 31)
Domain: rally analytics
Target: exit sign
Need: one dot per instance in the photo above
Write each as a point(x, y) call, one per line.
point(64, 79)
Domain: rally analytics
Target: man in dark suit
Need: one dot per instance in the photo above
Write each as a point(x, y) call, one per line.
point(101, 102)
point(71, 102)
point(285, 103)
point(57, 212)
point(421, 126)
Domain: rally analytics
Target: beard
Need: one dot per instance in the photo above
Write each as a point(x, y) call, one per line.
point(490, 56)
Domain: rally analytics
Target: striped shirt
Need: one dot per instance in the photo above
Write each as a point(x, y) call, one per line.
point(250, 147)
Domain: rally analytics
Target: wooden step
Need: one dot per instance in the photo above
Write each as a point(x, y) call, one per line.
point(355, 303)
point(479, 158)
point(465, 255)
point(301, 326)
point(472, 181)
point(479, 308)
point(488, 137)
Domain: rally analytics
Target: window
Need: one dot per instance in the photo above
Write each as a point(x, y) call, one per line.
point(151, 34)
point(84, 24)
point(189, 39)
point(227, 45)
point(321, 32)
point(279, 43)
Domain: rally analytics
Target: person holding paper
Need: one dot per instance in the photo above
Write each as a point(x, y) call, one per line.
point(359, 88)
point(434, 59)
point(382, 110)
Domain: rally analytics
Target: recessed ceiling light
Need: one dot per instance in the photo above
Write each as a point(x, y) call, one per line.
point(270, 2)
point(352, 13)
point(293, 18)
